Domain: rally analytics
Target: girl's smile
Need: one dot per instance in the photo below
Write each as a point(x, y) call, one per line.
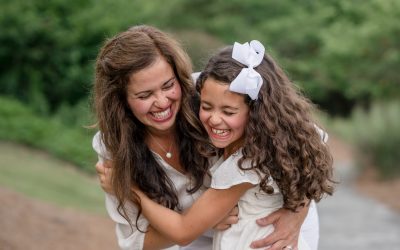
point(224, 114)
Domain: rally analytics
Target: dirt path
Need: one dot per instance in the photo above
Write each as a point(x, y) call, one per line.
point(351, 219)
point(27, 224)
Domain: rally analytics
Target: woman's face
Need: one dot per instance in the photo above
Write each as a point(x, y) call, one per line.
point(154, 96)
point(224, 114)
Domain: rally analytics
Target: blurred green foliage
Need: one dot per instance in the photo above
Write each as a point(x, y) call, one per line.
point(71, 142)
point(376, 134)
point(341, 53)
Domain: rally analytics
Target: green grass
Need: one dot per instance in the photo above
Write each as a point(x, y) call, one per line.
point(43, 177)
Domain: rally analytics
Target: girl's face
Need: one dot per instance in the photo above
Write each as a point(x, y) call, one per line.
point(224, 114)
point(154, 96)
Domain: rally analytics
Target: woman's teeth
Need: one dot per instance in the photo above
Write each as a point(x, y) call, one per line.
point(162, 115)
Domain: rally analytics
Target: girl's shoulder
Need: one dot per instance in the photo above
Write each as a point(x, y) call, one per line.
point(227, 173)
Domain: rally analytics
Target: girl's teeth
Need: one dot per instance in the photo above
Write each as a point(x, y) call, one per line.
point(161, 115)
point(220, 132)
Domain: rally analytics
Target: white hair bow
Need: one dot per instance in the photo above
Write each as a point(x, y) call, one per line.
point(248, 81)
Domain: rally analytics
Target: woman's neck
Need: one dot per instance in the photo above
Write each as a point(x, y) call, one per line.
point(162, 134)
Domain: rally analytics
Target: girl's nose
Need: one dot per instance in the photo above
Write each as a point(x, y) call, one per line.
point(214, 119)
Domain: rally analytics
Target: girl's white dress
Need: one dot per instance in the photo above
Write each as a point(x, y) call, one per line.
point(253, 204)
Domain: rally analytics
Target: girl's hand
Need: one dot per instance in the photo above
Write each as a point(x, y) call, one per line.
point(231, 218)
point(104, 172)
point(287, 229)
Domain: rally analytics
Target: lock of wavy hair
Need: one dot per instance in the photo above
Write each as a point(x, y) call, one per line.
point(281, 139)
point(124, 135)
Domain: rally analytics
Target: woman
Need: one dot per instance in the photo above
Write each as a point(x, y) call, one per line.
point(144, 99)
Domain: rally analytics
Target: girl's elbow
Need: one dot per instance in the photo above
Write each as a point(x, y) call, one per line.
point(184, 239)
point(184, 242)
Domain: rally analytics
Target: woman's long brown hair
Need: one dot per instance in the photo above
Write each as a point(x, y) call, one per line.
point(123, 134)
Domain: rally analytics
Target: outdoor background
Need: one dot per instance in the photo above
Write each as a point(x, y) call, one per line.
point(344, 55)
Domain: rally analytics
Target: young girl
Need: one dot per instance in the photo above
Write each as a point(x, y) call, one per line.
point(269, 153)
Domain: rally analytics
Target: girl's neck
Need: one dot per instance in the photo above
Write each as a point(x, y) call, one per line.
point(232, 148)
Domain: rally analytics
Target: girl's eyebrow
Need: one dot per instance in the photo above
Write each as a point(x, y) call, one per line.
point(229, 107)
point(223, 107)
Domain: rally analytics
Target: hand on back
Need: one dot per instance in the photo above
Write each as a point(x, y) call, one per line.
point(104, 173)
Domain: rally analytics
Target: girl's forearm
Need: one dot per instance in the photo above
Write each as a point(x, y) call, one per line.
point(184, 228)
point(167, 222)
point(155, 240)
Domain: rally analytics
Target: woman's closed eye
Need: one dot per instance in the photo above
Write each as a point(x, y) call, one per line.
point(144, 96)
point(168, 85)
point(228, 113)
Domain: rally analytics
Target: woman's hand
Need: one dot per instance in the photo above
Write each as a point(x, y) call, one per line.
point(231, 218)
point(287, 229)
point(104, 172)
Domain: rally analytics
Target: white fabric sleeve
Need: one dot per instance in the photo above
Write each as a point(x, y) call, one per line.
point(310, 228)
point(100, 148)
point(324, 135)
point(128, 238)
point(195, 75)
point(229, 174)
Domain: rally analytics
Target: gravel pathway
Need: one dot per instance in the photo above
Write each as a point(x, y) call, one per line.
point(349, 220)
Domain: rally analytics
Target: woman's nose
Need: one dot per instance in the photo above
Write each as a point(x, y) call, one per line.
point(162, 101)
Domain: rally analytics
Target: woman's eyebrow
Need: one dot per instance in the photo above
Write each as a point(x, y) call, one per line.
point(169, 80)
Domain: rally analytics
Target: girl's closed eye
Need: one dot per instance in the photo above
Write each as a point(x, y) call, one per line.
point(205, 107)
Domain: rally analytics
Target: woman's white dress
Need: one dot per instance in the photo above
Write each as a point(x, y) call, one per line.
point(132, 239)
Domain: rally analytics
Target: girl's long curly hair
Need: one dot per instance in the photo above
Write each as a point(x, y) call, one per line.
point(281, 139)
point(123, 134)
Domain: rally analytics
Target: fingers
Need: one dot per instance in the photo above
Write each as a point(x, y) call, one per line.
point(108, 164)
point(100, 169)
point(265, 242)
point(234, 211)
point(226, 222)
point(280, 245)
point(233, 219)
point(221, 227)
point(104, 173)
point(268, 220)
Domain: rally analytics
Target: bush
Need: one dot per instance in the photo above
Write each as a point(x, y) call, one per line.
point(376, 134)
point(19, 123)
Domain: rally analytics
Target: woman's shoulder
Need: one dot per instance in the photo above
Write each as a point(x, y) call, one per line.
point(99, 147)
